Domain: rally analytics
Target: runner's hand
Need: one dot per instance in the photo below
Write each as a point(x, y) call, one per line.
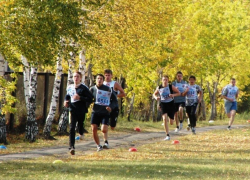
point(108, 109)
point(76, 97)
point(66, 104)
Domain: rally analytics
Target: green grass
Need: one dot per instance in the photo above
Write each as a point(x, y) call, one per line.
point(218, 154)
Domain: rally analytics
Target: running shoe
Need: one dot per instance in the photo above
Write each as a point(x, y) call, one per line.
point(181, 126)
point(188, 128)
point(72, 151)
point(229, 128)
point(81, 137)
point(167, 138)
point(193, 130)
point(176, 130)
point(106, 146)
point(99, 148)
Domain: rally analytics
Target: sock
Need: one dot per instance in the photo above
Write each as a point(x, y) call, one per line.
point(228, 126)
point(106, 141)
point(177, 127)
point(181, 121)
point(167, 134)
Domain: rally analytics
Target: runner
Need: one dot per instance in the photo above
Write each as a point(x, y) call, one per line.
point(104, 102)
point(166, 92)
point(193, 95)
point(179, 101)
point(230, 94)
point(76, 98)
point(119, 92)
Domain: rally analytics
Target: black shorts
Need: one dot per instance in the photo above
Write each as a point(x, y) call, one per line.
point(99, 119)
point(113, 117)
point(168, 108)
point(177, 105)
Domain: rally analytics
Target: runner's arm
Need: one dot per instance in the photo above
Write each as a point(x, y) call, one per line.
point(118, 87)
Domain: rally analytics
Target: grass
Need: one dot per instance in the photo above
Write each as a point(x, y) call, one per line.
point(218, 154)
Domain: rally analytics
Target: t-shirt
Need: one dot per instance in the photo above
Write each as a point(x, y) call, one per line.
point(181, 86)
point(164, 93)
point(192, 94)
point(230, 92)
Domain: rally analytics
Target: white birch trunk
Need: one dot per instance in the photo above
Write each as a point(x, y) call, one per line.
point(63, 121)
point(2, 65)
point(54, 99)
point(82, 64)
point(26, 79)
point(31, 126)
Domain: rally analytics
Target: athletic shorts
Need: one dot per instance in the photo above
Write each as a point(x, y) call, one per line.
point(177, 105)
point(113, 117)
point(229, 106)
point(99, 119)
point(168, 108)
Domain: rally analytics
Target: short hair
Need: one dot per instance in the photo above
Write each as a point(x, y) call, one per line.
point(165, 76)
point(108, 71)
point(192, 77)
point(100, 75)
point(233, 79)
point(179, 72)
point(78, 72)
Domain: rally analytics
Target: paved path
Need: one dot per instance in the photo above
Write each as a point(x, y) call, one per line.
point(123, 141)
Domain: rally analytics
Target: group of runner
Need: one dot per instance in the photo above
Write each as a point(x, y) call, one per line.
point(173, 99)
point(105, 109)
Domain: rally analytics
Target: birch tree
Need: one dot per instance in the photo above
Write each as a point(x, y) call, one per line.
point(54, 99)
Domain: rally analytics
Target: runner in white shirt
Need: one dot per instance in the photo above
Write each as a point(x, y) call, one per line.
point(230, 94)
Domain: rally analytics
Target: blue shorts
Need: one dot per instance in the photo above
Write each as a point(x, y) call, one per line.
point(229, 106)
point(99, 119)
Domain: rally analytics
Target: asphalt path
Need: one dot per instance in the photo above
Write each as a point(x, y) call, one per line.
point(120, 141)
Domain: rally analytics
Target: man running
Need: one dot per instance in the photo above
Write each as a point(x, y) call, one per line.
point(193, 95)
point(179, 101)
point(76, 98)
point(119, 92)
point(105, 101)
point(230, 94)
point(166, 92)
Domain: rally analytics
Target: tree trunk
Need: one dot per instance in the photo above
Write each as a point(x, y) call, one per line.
point(2, 65)
point(26, 79)
point(131, 107)
point(31, 126)
point(63, 121)
point(82, 64)
point(159, 114)
point(212, 97)
point(54, 99)
point(90, 76)
point(153, 110)
point(2, 129)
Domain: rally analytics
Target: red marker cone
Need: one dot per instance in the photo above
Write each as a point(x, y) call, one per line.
point(132, 149)
point(137, 129)
point(176, 142)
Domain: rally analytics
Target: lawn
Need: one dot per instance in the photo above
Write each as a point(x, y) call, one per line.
point(218, 154)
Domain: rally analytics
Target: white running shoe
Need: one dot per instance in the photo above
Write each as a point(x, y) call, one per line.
point(106, 146)
point(81, 137)
point(99, 148)
point(229, 128)
point(167, 138)
point(181, 126)
point(176, 130)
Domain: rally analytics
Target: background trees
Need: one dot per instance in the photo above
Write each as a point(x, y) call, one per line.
point(138, 40)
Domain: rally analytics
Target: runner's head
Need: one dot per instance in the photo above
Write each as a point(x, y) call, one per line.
point(192, 80)
point(233, 81)
point(77, 77)
point(164, 80)
point(179, 76)
point(99, 79)
point(108, 75)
